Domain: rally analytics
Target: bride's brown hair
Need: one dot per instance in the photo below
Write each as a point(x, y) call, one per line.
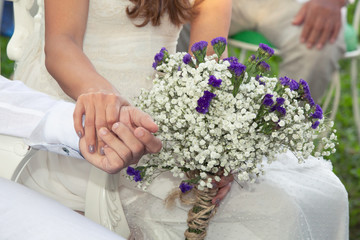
point(180, 11)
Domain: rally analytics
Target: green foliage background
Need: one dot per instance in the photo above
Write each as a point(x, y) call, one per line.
point(346, 160)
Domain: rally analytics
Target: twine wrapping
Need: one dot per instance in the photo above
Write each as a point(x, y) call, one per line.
point(200, 214)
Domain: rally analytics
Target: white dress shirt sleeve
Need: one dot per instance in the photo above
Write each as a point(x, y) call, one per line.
point(44, 123)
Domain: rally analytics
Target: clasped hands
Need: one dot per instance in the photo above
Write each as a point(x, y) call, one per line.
point(116, 134)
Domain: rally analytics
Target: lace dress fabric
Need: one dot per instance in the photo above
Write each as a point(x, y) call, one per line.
point(291, 201)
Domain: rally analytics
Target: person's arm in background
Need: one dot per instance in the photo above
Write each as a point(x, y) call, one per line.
point(47, 123)
point(321, 20)
point(213, 20)
point(65, 25)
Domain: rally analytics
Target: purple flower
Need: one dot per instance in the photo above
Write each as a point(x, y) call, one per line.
point(218, 40)
point(237, 68)
point(160, 57)
point(294, 85)
point(199, 46)
point(204, 102)
point(214, 82)
point(137, 177)
point(281, 110)
point(199, 51)
point(268, 101)
point(219, 45)
point(277, 107)
point(264, 67)
point(231, 59)
point(318, 113)
point(154, 65)
point(133, 172)
point(285, 81)
point(187, 58)
point(252, 58)
point(280, 101)
point(184, 187)
point(257, 78)
point(306, 92)
point(268, 50)
point(315, 124)
point(130, 171)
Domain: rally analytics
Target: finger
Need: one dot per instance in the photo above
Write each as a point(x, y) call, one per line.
point(300, 16)
point(113, 163)
point(112, 115)
point(142, 119)
point(318, 28)
point(221, 194)
point(152, 144)
point(100, 121)
point(309, 32)
point(90, 128)
point(335, 32)
point(130, 140)
point(110, 163)
point(225, 180)
point(116, 144)
point(325, 35)
point(78, 119)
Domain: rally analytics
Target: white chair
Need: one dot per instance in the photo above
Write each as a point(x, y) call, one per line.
point(249, 41)
point(102, 199)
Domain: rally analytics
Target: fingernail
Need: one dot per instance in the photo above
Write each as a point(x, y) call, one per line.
point(91, 148)
point(319, 46)
point(103, 131)
point(115, 126)
point(102, 151)
point(79, 133)
point(139, 133)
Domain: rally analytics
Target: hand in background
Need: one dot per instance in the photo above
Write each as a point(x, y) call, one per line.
point(130, 139)
point(224, 187)
point(321, 20)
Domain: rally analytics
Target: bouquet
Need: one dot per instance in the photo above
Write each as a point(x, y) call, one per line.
point(219, 117)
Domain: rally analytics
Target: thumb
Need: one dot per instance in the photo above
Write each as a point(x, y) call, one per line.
point(300, 16)
point(142, 119)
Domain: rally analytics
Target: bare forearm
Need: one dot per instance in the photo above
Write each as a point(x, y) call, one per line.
point(71, 68)
point(212, 21)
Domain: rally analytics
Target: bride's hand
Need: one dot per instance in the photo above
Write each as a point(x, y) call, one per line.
point(100, 109)
point(128, 141)
point(224, 186)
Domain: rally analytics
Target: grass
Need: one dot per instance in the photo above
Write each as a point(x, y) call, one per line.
point(346, 160)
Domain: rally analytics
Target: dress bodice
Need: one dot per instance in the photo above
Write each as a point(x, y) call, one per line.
point(122, 52)
point(119, 50)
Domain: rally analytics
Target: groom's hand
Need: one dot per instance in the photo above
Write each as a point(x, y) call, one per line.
point(129, 140)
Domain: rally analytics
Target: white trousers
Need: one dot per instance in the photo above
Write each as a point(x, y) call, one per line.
point(28, 215)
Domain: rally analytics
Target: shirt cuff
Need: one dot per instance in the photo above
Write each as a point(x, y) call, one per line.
point(55, 132)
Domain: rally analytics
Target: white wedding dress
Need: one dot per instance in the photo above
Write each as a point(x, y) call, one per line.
point(291, 201)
